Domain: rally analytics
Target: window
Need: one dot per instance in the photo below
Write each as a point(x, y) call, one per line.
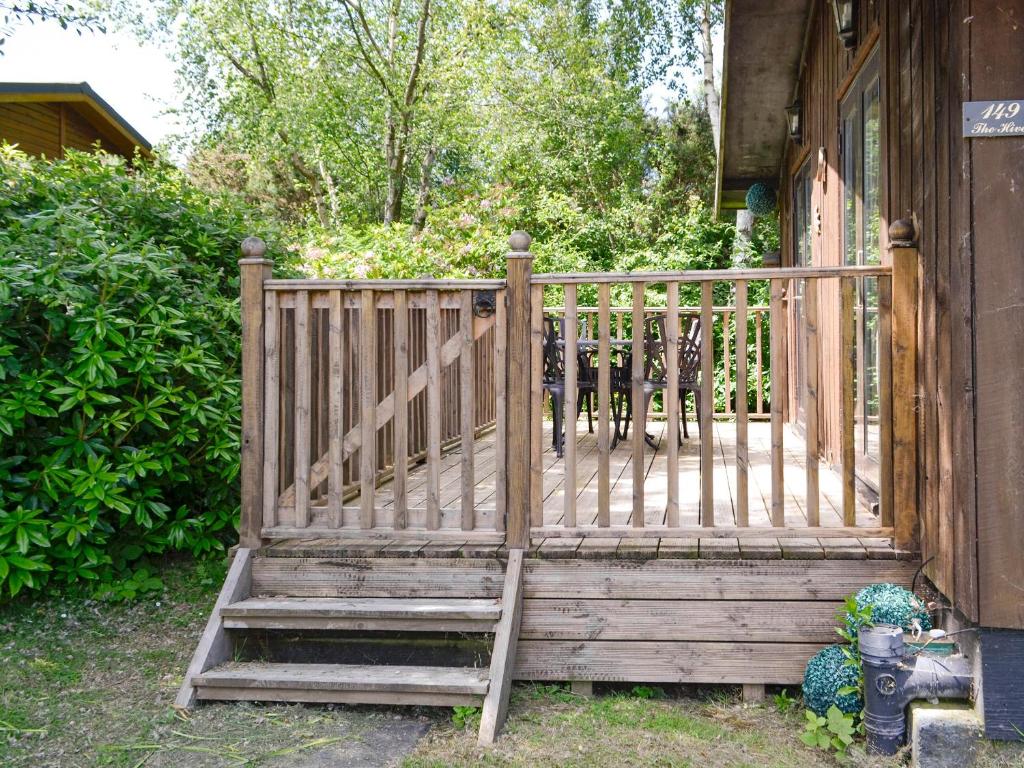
point(861, 170)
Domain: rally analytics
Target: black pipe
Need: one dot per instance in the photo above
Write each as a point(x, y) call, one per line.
point(893, 678)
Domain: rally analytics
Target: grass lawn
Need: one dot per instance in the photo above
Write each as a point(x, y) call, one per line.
point(90, 683)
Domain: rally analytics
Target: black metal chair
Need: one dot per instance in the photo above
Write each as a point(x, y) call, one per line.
point(656, 372)
point(554, 380)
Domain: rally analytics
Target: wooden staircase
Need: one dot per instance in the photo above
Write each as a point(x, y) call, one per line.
point(215, 674)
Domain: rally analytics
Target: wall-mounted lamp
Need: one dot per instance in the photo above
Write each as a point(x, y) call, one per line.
point(794, 122)
point(846, 21)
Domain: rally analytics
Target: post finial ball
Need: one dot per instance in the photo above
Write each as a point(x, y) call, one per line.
point(903, 232)
point(253, 248)
point(520, 241)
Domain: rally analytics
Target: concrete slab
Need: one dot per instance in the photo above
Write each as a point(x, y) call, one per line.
point(944, 735)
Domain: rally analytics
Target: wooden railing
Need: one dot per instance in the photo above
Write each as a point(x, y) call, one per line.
point(726, 360)
point(783, 283)
point(363, 379)
point(327, 445)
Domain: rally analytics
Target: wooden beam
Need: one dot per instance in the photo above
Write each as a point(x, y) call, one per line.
point(520, 418)
point(503, 656)
point(214, 645)
point(904, 394)
point(255, 270)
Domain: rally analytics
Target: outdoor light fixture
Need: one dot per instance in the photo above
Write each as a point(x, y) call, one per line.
point(846, 21)
point(793, 122)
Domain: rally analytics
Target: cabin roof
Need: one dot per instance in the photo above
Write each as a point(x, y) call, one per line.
point(88, 104)
point(763, 50)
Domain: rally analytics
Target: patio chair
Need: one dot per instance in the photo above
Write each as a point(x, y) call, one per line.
point(554, 381)
point(656, 368)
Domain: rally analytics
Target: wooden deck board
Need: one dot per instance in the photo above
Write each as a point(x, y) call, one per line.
point(352, 542)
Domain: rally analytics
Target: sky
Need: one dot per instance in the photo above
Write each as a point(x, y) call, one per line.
point(138, 79)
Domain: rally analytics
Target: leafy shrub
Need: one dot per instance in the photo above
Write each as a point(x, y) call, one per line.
point(119, 357)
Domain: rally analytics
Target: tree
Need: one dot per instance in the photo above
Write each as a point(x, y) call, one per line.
point(67, 15)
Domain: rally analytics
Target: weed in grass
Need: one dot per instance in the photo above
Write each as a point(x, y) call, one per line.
point(673, 721)
point(466, 717)
point(784, 702)
point(647, 692)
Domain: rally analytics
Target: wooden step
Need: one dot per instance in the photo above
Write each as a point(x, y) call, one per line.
point(344, 683)
point(395, 614)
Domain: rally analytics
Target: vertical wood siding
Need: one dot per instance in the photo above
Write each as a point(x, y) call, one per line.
point(925, 68)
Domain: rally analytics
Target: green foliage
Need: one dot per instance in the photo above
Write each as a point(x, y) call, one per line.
point(119, 384)
point(830, 681)
point(140, 584)
point(761, 199)
point(834, 732)
point(646, 692)
point(466, 717)
point(886, 604)
point(783, 701)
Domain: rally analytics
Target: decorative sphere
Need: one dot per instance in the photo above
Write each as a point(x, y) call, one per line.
point(520, 241)
point(761, 199)
point(827, 672)
point(890, 604)
point(902, 231)
point(253, 248)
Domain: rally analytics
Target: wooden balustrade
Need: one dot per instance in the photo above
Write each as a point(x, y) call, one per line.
point(363, 401)
point(340, 361)
point(715, 507)
point(731, 367)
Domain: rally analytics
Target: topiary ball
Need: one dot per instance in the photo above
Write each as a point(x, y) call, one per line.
point(761, 199)
point(890, 604)
point(827, 672)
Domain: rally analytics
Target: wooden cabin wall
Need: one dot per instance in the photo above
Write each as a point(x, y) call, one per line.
point(44, 128)
point(993, 60)
point(924, 46)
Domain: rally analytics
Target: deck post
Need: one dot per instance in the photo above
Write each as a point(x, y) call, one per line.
point(517, 398)
point(905, 257)
point(255, 269)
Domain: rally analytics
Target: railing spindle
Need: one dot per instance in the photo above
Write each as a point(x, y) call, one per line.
point(302, 408)
point(603, 406)
point(811, 407)
point(847, 291)
point(536, 405)
point(433, 521)
point(367, 406)
point(570, 356)
point(671, 342)
point(759, 361)
point(271, 400)
point(887, 389)
point(639, 412)
point(335, 396)
point(707, 406)
point(727, 362)
point(742, 452)
point(401, 411)
point(776, 364)
point(466, 388)
point(500, 415)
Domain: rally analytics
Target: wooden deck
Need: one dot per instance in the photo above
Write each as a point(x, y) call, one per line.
point(447, 543)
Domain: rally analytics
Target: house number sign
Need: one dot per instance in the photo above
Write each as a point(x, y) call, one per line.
point(993, 118)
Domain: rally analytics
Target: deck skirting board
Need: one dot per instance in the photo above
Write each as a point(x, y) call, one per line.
point(685, 621)
point(664, 662)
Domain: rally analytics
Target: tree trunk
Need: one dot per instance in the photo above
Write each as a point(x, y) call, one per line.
point(419, 219)
point(741, 245)
point(711, 98)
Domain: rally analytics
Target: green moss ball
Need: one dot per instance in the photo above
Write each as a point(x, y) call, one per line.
point(761, 199)
point(890, 604)
point(827, 672)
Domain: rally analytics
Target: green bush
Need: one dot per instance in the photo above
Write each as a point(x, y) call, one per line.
point(119, 358)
